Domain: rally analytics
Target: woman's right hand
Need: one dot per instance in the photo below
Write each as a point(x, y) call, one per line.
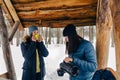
point(33, 38)
point(68, 59)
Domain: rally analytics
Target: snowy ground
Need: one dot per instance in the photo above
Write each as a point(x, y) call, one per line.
point(56, 55)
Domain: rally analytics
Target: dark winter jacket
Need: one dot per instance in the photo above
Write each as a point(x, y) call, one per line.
point(105, 74)
point(85, 59)
point(29, 53)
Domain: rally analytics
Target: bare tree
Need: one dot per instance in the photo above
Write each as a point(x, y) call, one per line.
point(17, 38)
point(81, 31)
point(46, 34)
point(91, 34)
point(112, 39)
point(58, 35)
point(49, 39)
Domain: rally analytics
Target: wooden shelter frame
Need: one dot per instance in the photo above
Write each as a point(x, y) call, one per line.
point(106, 17)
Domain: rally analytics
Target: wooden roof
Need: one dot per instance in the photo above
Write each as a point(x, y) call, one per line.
point(51, 13)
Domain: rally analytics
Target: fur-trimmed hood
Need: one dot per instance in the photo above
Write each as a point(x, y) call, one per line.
point(26, 38)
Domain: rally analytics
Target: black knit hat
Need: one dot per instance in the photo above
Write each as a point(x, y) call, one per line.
point(69, 30)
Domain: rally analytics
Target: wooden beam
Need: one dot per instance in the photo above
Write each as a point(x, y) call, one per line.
point(15, 27)
point(115, 9)
point(62, 23)
point(7, 13)
point(6, 48)
point(4, 75)
point(0, 2)
point(104, 26)
point(13, 12)
point(77, 13)
point(22, 1)
point(53, 4)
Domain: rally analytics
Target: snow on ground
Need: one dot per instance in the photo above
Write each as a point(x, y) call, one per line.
point(56, 55)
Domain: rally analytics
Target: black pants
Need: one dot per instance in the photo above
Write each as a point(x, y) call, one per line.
point(38, 76)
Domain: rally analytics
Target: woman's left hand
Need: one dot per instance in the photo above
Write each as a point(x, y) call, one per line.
point(68, 59)
point(40, 38)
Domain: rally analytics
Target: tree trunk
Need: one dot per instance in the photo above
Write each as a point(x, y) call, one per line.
point(11, 42)
point(49, 39)
point(58, 35)
point(6, 48)
point(46, 35)
point(41, 31)
point(18, 38)
point(61, 36)
point(0, 43)
point(103, 32)
point(0, 37)
point(115, 9)
point(21, 35)
point(112, 39)
point(91, 34)
point(80, 31)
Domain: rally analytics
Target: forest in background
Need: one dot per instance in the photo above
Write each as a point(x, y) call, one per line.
point(54, 35)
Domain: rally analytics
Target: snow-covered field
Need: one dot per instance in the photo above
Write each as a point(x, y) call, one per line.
point(56, 55)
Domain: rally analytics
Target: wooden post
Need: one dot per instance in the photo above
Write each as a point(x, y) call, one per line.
point(6, 48)
point(103, 32)
point(115, 9)
point(15, 27)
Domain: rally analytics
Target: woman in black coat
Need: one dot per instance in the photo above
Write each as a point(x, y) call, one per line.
point(33, 51)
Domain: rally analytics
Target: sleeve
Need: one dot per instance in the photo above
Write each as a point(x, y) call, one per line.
point(42, 49)
point(28, 50)
point(90, 62)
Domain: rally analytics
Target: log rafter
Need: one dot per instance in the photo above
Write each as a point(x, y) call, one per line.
point(35, 11)
point(61, 23)
point(59, 14)
point(53, 4)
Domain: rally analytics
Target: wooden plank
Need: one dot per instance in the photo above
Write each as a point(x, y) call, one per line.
point(62, 23)
point(115, 9)
point(15, 27)
point(104, 22)
point(0, 2)
point(31, 1)
point(22, 1)
point(13, 12)
point(4, 75)
point(6, 48)
point(78, 13)
point(53, 4)
point(7, 13)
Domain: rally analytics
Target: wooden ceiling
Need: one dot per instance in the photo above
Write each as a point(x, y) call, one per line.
point(51, 13)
